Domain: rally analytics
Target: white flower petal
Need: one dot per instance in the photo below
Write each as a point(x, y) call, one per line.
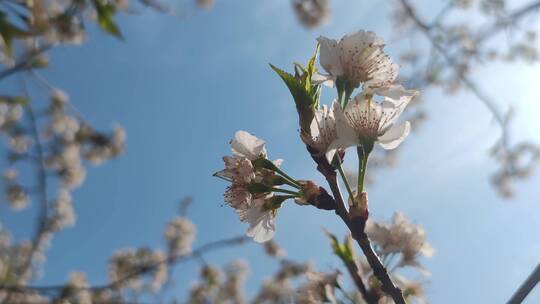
point(262, 230)
point(394, 136)
point(326, 80)
point(246, 145)
point(278, 162)
point(397, 94)
point(329, 56)
point(262, 225)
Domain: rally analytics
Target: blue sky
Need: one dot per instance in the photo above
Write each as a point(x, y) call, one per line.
point(182, 87)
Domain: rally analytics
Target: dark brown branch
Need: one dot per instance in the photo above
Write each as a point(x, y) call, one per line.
point(526, 287)
point(170, 260)
point(356, 225)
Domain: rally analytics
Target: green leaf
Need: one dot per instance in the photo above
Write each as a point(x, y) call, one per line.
point(343, 250)
point(105, 14)
point(302, 99)
point(13, 100)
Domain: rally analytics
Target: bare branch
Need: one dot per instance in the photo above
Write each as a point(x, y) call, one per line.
point(512, 18)
point(526, 287)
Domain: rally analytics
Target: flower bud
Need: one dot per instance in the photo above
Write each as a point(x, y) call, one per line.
point(359, 206)
point(314, 195)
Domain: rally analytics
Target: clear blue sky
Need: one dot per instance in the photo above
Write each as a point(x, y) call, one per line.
point(182, 87)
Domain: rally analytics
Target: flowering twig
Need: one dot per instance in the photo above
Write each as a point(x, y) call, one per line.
point(510, 19)
point(169, 260)
point(25, 62)
point(41, 189)
point(356, 225)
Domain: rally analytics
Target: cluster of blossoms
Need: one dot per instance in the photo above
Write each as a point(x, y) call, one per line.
point(253, 178)
point(125, 266)
point(217, 286)
point(402, 238)
point(356, 60)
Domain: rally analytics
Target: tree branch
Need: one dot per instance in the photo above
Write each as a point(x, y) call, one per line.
point(512, 18)
point(169, 260)
point(426, 30)
point(526, 287)
point(356, 225)
point(25, 62)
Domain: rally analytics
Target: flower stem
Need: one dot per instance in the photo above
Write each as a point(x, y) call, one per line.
point(292, 181)
point(363, 155)
point(285, 191)
point(348, 93)
point(344, 178)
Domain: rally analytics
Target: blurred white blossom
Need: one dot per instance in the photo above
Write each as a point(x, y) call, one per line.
point(312, 13)
point(180, 234)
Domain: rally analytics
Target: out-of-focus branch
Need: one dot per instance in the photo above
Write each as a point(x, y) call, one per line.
point(41, 229)
point(369, 296)
point(25, 62)
point(526, 287)
point(169, 260)
point(469, 83)
point(512, 18)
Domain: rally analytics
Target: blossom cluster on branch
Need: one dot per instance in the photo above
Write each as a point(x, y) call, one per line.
point(259, 187)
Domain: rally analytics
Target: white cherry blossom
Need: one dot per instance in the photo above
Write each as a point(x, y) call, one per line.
point(365, 120)
point(261, 219)
point(357, 58)
point(246, 145)
point(323, 129)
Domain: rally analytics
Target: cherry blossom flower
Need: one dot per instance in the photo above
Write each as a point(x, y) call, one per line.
point(323, 129)
point(180, 234)
point(357, 58)
point(256, 207)
point(401, 236)
point(366, 121)
point(247, 145)
point(261, 218)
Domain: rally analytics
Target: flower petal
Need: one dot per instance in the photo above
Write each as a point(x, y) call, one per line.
point(394, 136)
point(326, 80)
point(329, 56)
point(263, 229)
point(246, 145)
point(397, 94)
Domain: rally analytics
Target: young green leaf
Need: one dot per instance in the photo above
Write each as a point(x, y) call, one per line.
point(105, 15)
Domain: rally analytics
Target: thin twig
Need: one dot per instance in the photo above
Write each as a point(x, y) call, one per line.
point(41, 229)
point(25, 62)
point(512, 18)
point(426, 30)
